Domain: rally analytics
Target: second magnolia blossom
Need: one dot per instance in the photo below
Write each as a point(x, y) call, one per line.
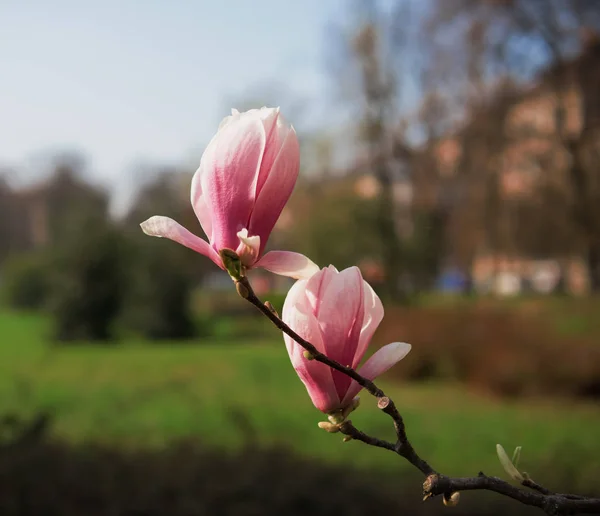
point(338, 312)
point(246, 176)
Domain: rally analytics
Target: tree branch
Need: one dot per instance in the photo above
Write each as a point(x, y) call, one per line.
point(383, 402)
point(550, 503)
point(435, 484)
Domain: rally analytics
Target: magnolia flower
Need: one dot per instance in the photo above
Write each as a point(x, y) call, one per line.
point(338, 312)
point(246, 175)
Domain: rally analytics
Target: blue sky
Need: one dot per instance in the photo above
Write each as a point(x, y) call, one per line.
point(126, 82)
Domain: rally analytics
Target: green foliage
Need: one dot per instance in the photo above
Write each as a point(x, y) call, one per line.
point(158, 300)
point(424, 249)
point(89, 281)
point(337, 227)
point(277, 299)
point(143, 395)
point(26, 284)
point(68, 199)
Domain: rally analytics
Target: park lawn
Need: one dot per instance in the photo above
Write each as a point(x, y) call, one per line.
point(138, 394)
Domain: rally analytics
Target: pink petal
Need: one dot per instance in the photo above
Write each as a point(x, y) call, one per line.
point(287, 263)
point(373, 316)
point(379, 363)
point(340, 316)
point(317, 285)
point(294, 301)
point(164, 227)
point(199, 203)
point(340, 304)
point(316, 376)
point(297, 315)
point(235, 114)
point(228, 172)
point(276, 190)
point(276, 130)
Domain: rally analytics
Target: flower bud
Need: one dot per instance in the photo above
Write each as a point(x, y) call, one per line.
point(232, 263)
point(245, 178)
point(452, 500)
point(507, 464)
point(308, 355)
point(338, 312)
point(329, 427)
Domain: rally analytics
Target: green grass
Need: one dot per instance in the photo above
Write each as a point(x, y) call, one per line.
point(149, 395)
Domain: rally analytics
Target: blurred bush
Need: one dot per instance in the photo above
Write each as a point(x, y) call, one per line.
point(88, 281)
point(41, 477)
point(331, 224)
point(333, 221)
point(158, 300)
point(499, 350)
point(26, 285)
point(229, 318)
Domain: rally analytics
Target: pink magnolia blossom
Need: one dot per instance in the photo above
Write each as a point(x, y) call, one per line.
point(338, 312)
point(246, 175)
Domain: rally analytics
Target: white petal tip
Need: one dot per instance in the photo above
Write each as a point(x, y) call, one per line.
point(402, 347)
point(150, 226)
point(251, 241)
point(395, 351)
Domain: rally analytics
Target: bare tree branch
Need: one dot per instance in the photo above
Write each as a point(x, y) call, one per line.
point(383, 402)
point(435, 483)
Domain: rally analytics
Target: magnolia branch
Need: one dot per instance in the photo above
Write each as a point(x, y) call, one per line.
point(435, 484)
point(383, 402)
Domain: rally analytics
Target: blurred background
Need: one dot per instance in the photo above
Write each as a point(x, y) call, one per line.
point(450, 148)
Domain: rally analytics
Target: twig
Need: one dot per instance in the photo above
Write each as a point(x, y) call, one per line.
point(403, 445)
point(435, 484)
point(553, 504)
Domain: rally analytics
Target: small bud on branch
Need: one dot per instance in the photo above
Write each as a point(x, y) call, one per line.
point(242, 290)
point(452, 500)
point(271, 308)
point(329, 427)
point(507, 464)
point(233, 264)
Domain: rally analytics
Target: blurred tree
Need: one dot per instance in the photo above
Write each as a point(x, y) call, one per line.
point(26, 281)
point(163, 191)
point(164, 274)
point(89, 280)
point(424, 249)
point(6, 214)
point(323, 213)
point(556, 123)
point(13, 220)
point(375, 130)
point(57, 205)
point(472, 193)
point(167, 192)
point(376, 71)
point(158, 300)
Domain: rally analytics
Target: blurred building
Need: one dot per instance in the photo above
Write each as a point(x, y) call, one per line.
point(36, 216)
point(496, 177)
